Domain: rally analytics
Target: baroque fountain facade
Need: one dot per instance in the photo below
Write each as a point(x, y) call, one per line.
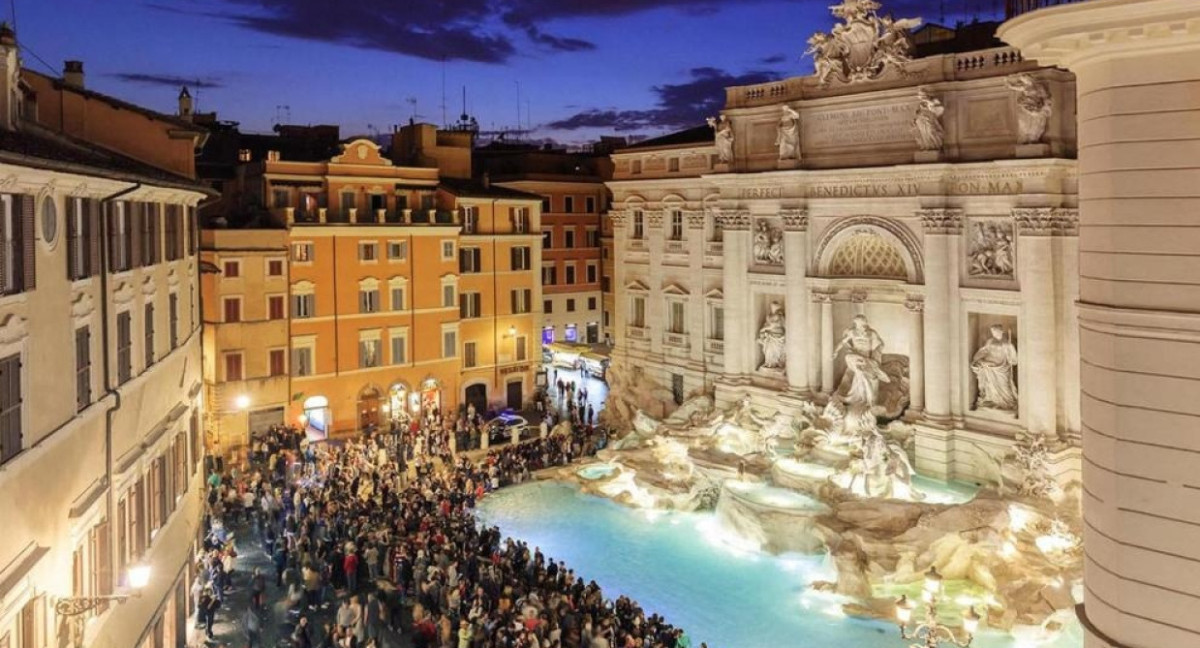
point(852, 283)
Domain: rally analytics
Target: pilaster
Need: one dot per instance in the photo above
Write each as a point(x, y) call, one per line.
point(795, 242)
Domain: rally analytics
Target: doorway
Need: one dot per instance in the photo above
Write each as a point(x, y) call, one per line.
point(515, 395)
point(477, 395)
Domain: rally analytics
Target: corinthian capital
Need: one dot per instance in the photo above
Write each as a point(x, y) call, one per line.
point(734, 219)
point(794, 220)
point(1046, 221)
point(941, 220)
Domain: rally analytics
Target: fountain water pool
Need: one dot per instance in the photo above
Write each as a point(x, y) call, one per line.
point(592, 472)
point(676, 565)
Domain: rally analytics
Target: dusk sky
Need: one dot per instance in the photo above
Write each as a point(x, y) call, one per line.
point(585, 67)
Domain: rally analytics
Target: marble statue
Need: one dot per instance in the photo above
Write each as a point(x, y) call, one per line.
point(863, 46)
point(991, 250)
point(723, 134)
point(772, 337)
point(927, 124)
point(787, 137)
point(767, 247)
point(864, 357)
point(1034, 105)
point(993, 367)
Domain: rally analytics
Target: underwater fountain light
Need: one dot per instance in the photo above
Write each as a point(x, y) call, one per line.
point(931, 633)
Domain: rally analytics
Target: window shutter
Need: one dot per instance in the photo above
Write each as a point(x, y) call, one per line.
point(72, 237)
point(28, 261)
point(513, 262)
point(462, 259)
point(514, 301)
point(5, 250)
point(135, 220)
point(92, 231)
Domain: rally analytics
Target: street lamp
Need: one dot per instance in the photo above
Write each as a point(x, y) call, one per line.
point(138, 577)
point(931, 633)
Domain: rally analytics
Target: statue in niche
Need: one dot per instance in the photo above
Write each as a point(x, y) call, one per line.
point(787, 137)
point(992, 250)
point(723, 138)
point(864, 368)
point(927, 124)
point(1034, 105)
point(768, 244)
point(993, 367)
point(772, 337)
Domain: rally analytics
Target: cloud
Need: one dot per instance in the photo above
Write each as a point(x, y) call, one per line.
point(484, 31)
point(170, 80)
point(774, 59)
point(680, 105)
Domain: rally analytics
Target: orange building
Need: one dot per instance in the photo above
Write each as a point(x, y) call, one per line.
point(396, 305)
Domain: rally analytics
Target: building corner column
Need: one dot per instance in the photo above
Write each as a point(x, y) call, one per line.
point(916, 354)
point(1037, 328)
point(795, 241)
point(939, 224)
point(735, 225)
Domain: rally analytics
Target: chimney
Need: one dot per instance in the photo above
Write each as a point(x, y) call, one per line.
point(10, 74)
point(73, 73)
point(487, 179)
point(185, 104)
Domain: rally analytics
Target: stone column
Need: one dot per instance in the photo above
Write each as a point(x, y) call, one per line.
point(739, 325)
point(620, 296)
point(696, 306)
point(814, 343)
point(916, 353)
point(795, 239)
point(656, 315)
point(827, 360)
point(939, 225)
point(1135, 63)
point(1037, 328)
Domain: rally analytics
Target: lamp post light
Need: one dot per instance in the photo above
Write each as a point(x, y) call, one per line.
point(931, 633)
point(72, 606)
point(242, 402)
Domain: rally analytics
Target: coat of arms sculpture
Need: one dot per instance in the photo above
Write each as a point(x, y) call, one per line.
point(863, 46)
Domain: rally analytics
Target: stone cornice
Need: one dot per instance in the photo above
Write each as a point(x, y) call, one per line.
point(1046, 221)
point(941, 220)
point(794, 220)
point(1090, 32)
point(734, 219)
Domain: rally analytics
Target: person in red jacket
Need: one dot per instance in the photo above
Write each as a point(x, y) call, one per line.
point(350, 566)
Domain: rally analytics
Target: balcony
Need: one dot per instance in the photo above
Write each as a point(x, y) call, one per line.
point(1014, 8)
point(677, 340)
point(714, 248)
point(675, 246)
point(637, 333)
point(714, 346)
point(637, 245)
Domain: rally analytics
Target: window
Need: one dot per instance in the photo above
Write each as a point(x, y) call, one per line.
point(83, 368)
point(232, 269)
point(677, 388)
point(302, 361)
point(520, 301)
point(399, 348)
point(233, 309)
point(281, 198)
point(547, 306)
point(676, 321)
point(274, 267)
point(347, 203)
point(570, 238)
point(469, 305)
point(302, 252)
point(606, 319)
point(119, 238)
point(635, 167)
point(673, 164)
point(637, 314)
point(546, 206)
point(639, 224)
point(547, 239)
point(83, 237)
point(124, 347)
point(275, 310)
point(549, 275)
point(447, 250)
point(148, 329)
point(470, 220)
point(233, 366)
point(10, 408)
point(570, 273)
point(449, 343)
point(174, 231)
point(275, 360)
point(589, 204)
point(469, 357)
point(368, 252)
point(304, 306)
point(520, 220)
point(368, 353)
point(591, 303)
point(591, 273)
point(368, 300)
point(520, 258)
point(717, 326)
point(173, 317)
point(470, 260)
point(593, 238)
point(149, 234)
point(676, 225)
point(570, 305)
point(521, 345)
point(718, 233)
point(569, 204)
point(397, 250)
point(448, 295)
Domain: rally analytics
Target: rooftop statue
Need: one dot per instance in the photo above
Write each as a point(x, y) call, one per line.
point(863, 46)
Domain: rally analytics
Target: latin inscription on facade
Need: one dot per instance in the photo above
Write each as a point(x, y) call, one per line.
point(760, 192)
point(859, 126)
point(872, 190)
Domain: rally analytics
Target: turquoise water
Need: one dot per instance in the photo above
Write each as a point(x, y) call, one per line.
point(676, 565)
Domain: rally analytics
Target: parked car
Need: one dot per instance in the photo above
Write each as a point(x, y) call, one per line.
point(500, 429)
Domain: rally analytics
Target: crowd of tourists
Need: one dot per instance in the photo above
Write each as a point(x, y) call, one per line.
point(376, 538)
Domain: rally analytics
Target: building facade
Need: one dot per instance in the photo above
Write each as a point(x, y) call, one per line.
point(936, 198)
point(403, 293)
point(100, 355)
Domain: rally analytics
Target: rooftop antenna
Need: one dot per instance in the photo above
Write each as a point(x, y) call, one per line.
point(518, 104)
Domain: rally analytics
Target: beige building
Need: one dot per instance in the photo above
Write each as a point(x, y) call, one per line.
point(100, 389)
